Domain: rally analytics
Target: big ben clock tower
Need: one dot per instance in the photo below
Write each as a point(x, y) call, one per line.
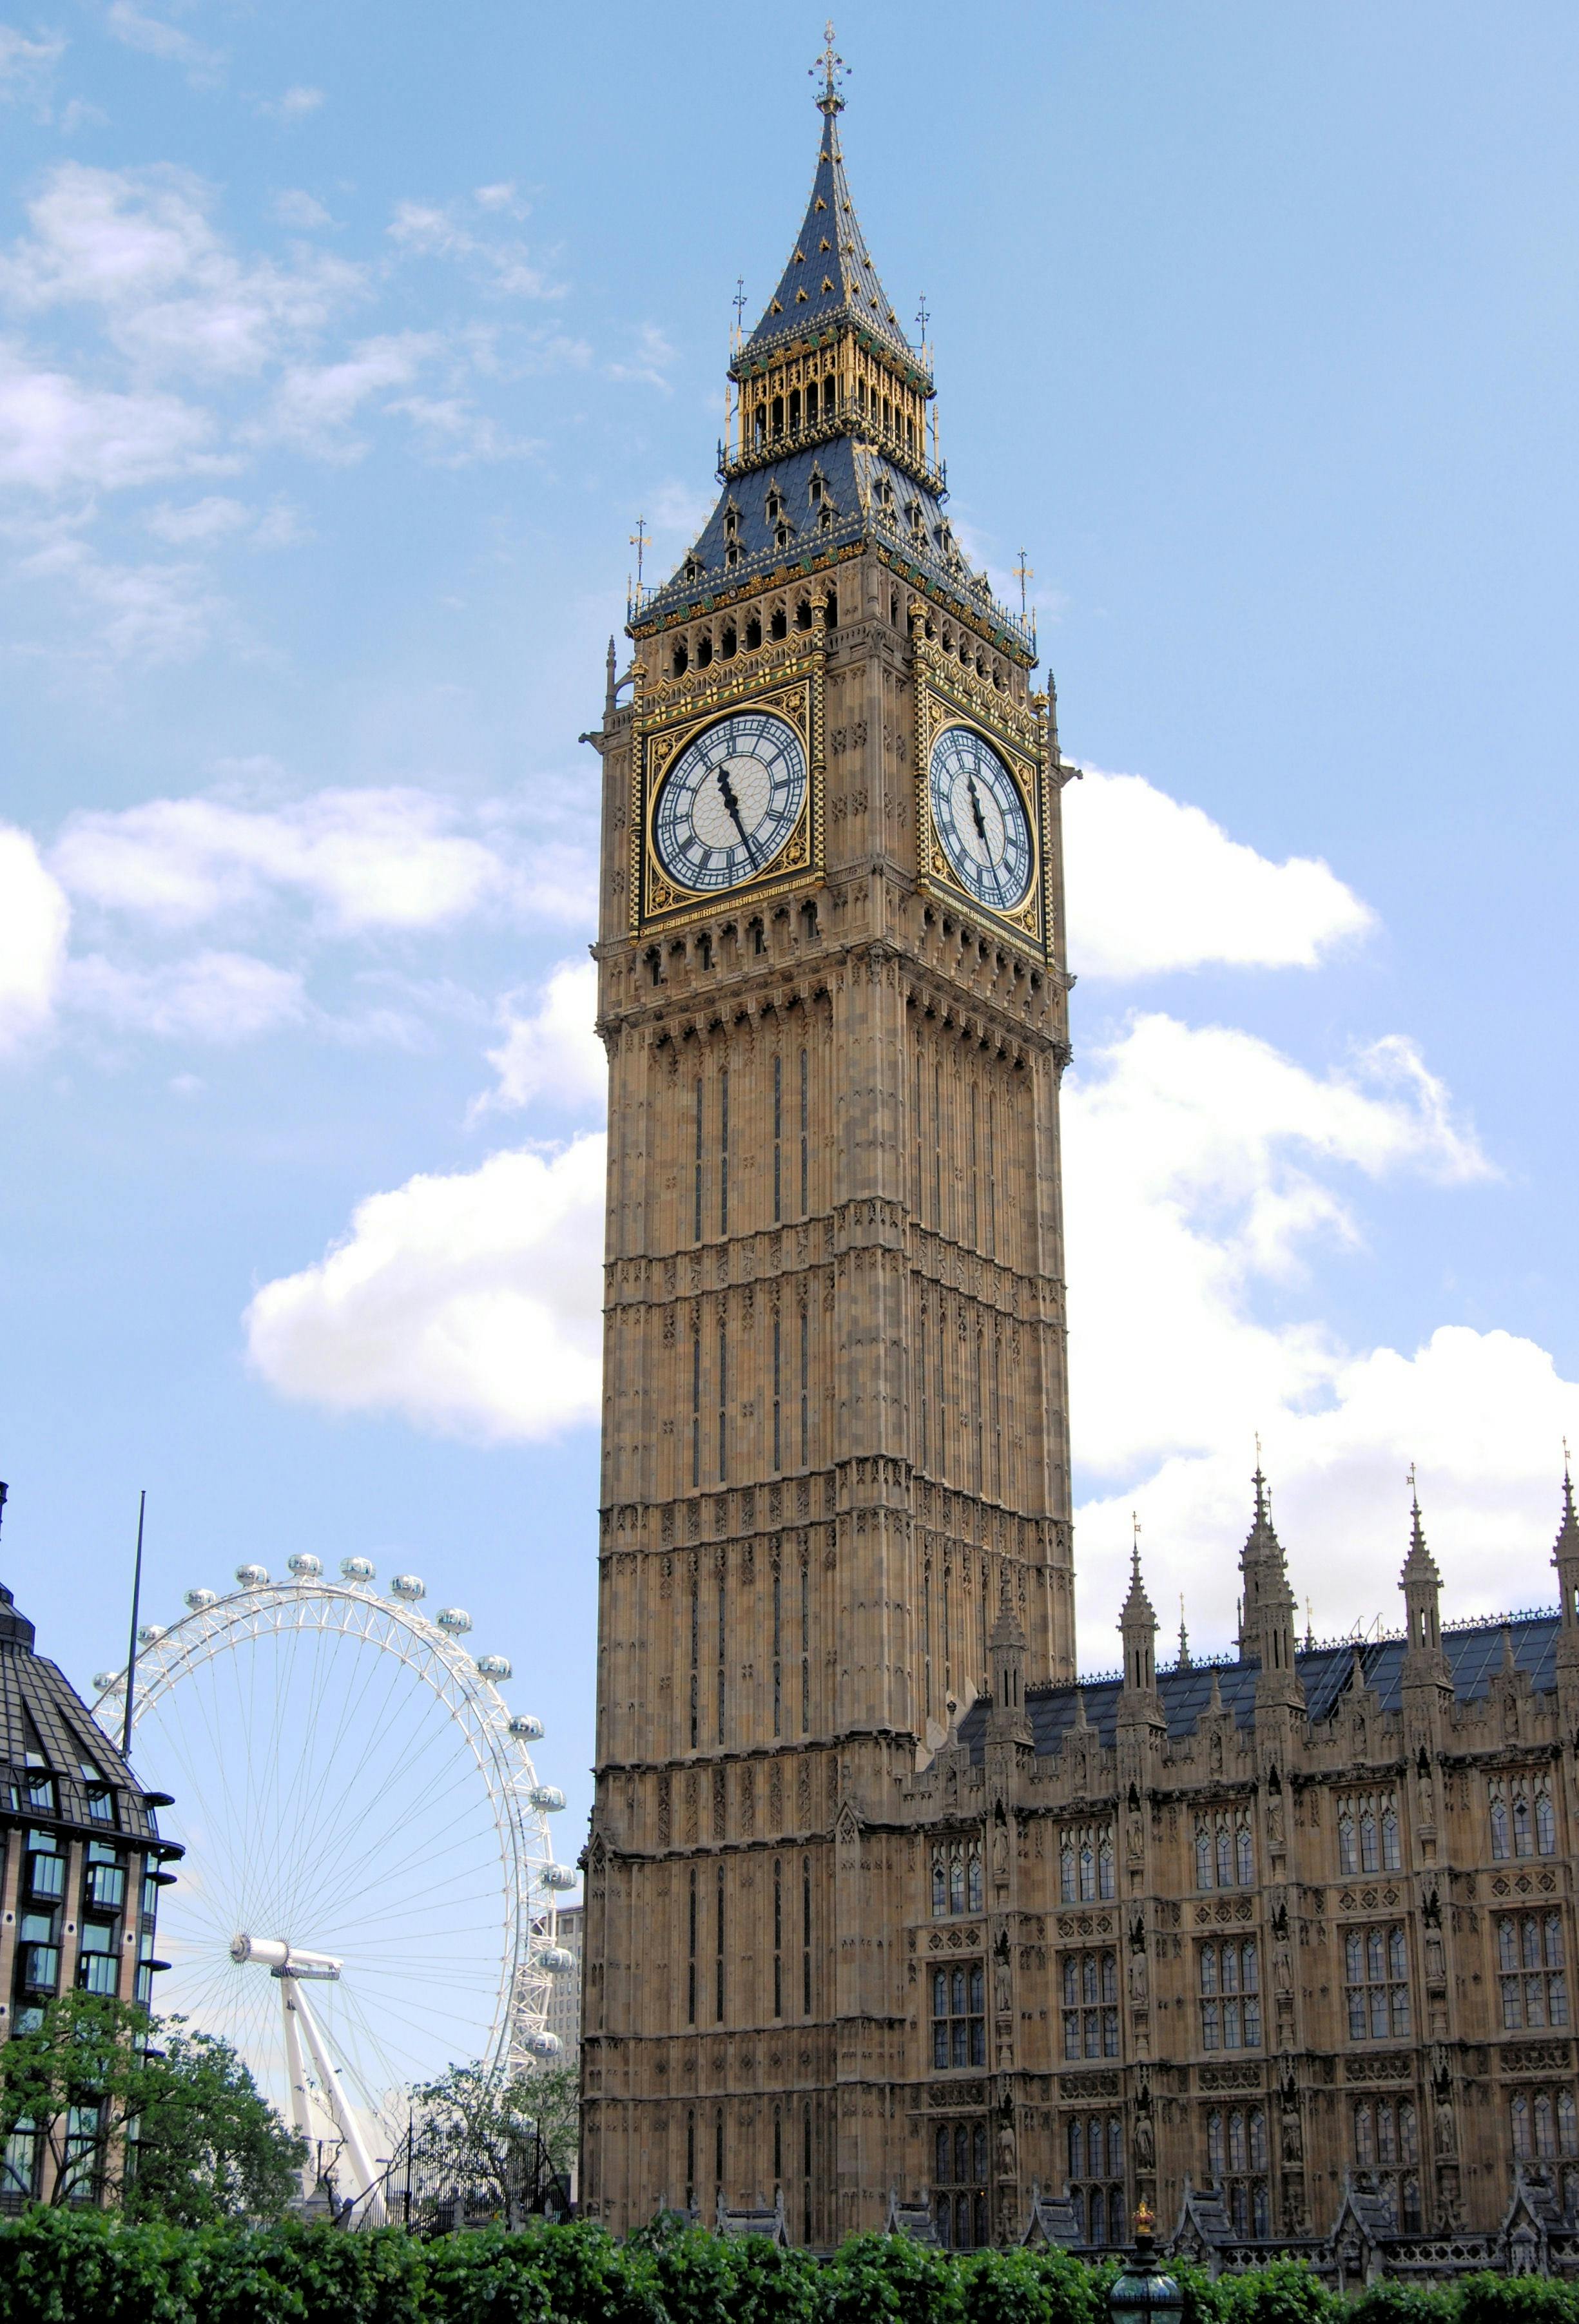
point(835, 1423)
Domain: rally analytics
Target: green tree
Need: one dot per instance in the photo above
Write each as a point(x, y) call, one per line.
point(146, 2117)
point(494, 2140)
point(210, 2145)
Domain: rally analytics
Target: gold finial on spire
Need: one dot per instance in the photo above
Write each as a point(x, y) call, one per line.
point(833, 69)
point(641, 541)
point(1022, 574)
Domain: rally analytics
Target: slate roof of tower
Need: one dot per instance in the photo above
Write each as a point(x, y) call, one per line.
point(835, 285)
point(865, 496)
point(41, 1712)
point(1474, 1657)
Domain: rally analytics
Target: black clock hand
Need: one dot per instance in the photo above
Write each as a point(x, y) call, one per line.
point(976, 811)
point(731, 807)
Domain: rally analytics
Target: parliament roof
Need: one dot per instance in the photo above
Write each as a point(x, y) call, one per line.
point(1329, 1673)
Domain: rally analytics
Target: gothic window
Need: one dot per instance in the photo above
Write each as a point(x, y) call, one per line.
point(1231, 1997)
point(1376, 1986)
point(1546, 1825)
point(1096, 2153)
point(1387, 2143)
point(1225, 1848)
point(1532, 1970)
point(1086, 1863)
point(1499, 1823)
point(1236, 2159)
point(959, 2028)
point(956, 1878)
point(753, 634)
point(1090, 2004)
point(1367, 1833)
point(960, 2173)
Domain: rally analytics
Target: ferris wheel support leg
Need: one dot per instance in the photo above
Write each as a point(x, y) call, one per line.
point(369, 2194)
point(301, 2107)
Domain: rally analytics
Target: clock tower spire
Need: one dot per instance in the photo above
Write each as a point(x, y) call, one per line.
point(833, 994)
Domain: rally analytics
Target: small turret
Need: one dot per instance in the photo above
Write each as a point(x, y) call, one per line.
point(1139, 1702)
point(1008, 1721)
point(1421, 1585)
point(1266, 1612)
point(1565, 1558)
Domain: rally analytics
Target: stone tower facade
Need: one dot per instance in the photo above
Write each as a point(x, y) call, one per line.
point(836, 1457)
point(889, 1916)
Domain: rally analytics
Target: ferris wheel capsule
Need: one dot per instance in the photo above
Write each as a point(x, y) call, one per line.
point(104, 1680)
point(526, 1728)
point(304, 1565)
point(150, 1634)
point(408, 1586)
point(546, 1796)
point(199, 1600)
point(253, 1577)
point(455, 1619)
point(358, 1569)
point(557, 1960)
point(560, 1876)
point(494, 1666)
point(541, 2043)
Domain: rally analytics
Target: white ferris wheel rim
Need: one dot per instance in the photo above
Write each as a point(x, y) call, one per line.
point(351, 1608)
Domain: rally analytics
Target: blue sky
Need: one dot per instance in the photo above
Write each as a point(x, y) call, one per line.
point(340, 350)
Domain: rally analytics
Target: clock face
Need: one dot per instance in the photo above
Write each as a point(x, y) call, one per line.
point(730, 801)
point(980, 819)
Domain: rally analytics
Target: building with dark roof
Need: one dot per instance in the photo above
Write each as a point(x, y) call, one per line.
point(83, 1866)
point(1278, 1942)
point(888, 1916)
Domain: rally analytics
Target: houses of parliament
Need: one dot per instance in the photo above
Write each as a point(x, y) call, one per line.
point(890, 1918)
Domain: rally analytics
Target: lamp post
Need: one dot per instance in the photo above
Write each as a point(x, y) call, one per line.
point(1141, 2292)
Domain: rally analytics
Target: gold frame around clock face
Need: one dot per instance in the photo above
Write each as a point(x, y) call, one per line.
point(661, 742)
point(937, 707)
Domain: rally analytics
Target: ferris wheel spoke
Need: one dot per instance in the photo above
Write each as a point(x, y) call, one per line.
point(344, 1781)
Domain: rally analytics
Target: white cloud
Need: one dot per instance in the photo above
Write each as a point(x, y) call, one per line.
point(27, 65)
point(500, 197)
point(139, 246)
point(650, 359)
point(217, 517)
point(434, 230)
point(221, 997)
point(140, 612)
point(1204, 1171)
point(1201, 1165)
point(295, 206)
point(467, 1303)
point(35, 921)
point(135, 29)
point(294, 105)
point(211, 519)
point(364, 859)
point(1482, 1414)
point(55, 433)
point(1154, 885)
point(315, 401)
point(552, 1053)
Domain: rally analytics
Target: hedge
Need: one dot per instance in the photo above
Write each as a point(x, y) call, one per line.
point(58, 2267)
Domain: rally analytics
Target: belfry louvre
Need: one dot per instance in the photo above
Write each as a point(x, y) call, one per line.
point(889, 1919)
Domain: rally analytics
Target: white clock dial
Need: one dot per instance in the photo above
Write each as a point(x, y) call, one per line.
point(730, 801)
point(980, 819)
